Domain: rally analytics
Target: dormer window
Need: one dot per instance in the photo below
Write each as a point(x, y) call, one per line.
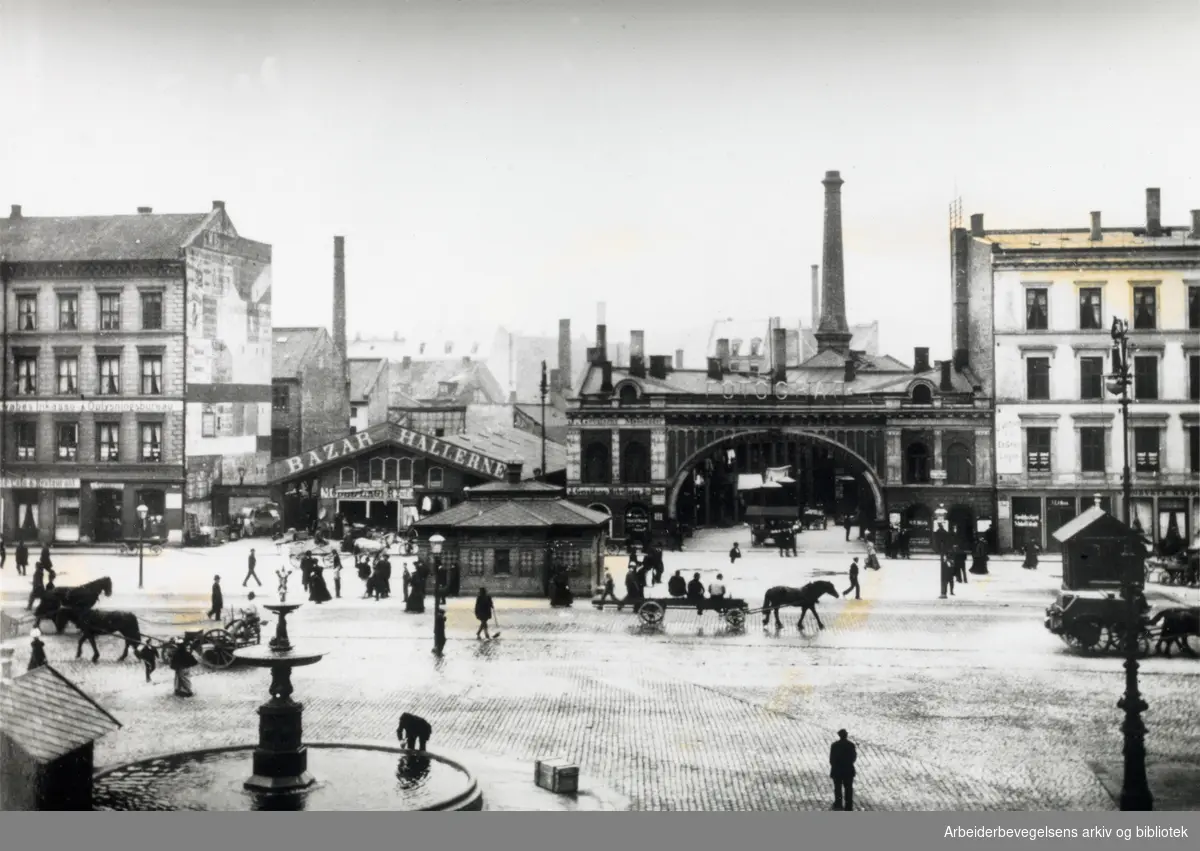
point(447, 388)
point(628, 395)
point(922, 395)
point(755, 347)
point(735, 347)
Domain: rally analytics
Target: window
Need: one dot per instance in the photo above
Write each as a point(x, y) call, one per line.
point(152, 369)
point(375, 469)
point(26, 441)
point(151, 441)
point(347, 476)
point(735, 348)
point(108, 441)
point(525, 564)
point(1145, 449)
point(390, 470)
point(1090, 316)
point(1091, 378)
point(755, 347)
point(1194, 377)
point(406, 471)
point(354, 412)
point(502, 565)
point(435, 477)
point(1037, 450)
point(1091, 450)
point(27, 312)
point(635, 464)
point(1145, 308)
point(628, 395)
point(1145, 377)
point(68, 312)
point(68, 375)
point(597, 469)
point(26, 366)
point(439, 432)
point(68, 441)
point(447, 388)
point(1037, 309)
point(1037, 378)
point(916, 464)
point(281, 442)
point(1194, 308)
point(208, 424)
point(922, 395)
point(152, 311)
point(474, 562)
point(960, 469)
point(281, 397)
point(110, 311)
point(109, 369)
point(1193, 449)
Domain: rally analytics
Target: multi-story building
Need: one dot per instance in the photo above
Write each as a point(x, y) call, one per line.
point(308, 399)
point(132, 348)
point(1035, 309)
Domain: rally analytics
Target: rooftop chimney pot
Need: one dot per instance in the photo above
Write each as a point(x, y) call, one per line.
point(1097, 232)
point(514, 472)
point(1195, 234)
point(920, 360)
point(218, 205)
point(16, 211)
point(977, 224)
point(947, 381)
point(145, 210)
point(679, 358)
point(1153, 212)
point(851, 370)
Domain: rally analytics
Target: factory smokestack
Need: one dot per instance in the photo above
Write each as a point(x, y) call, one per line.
point(816, 295)
point(339, 304)
point(833, 333)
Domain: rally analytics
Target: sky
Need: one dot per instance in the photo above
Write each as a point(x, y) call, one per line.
point(518, 161)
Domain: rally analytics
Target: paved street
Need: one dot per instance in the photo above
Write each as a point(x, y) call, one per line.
point(965, 703)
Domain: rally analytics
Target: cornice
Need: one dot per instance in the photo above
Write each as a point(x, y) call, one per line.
point(94, 269)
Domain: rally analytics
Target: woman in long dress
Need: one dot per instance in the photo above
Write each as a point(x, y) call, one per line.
point(1031, 556)
point(182, 661)
point(980, 561)
point(318, 591)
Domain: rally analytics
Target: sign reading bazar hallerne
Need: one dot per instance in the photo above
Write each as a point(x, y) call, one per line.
point(390, 433)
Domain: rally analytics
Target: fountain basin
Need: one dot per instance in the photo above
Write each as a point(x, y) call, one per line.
point(353, 778)
point(262, 656)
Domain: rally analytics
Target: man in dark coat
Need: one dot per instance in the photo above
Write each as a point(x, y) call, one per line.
point(848, 523)
point(485, 610)
point(695, 588)
point(218, 600)
point(414, 731)
point(39, 586)
point(22, 556)
point(307, 563)
point(853, 581)
point(383, 578)
point(251, 563)
point(735, 552)
point(905, 544)
point(677, 585)
point(842, 756)
point(633, 589)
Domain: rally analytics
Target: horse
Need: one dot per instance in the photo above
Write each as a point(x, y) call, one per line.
point(92, 623)
point(806, 598)
point(1177, 624)
point(79, 597)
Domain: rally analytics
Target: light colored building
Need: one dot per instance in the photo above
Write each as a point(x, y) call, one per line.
point(1033, 312)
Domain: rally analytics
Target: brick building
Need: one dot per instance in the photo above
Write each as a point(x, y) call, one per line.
point(308, 400)
point(130, 377)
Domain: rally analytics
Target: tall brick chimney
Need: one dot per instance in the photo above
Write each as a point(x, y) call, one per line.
point(778, 354)
point(564, 356)
point(1153, 212)
point(833, 333)
point(1097, 231)
point(637, 344)
point(723, 353)
point(679, 356)
point(339, 303)
point(920, 360)
point(16, 212)
point(816, 295)
point(601, 351)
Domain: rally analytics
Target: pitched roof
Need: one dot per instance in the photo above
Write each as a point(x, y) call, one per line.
point(144, 236)
point(422, 380)
point(515, 513)
point(49, 716)
point(289, 349)
point(1093, 516)
point(526, 487)
point(364, 372)
point(506, 443)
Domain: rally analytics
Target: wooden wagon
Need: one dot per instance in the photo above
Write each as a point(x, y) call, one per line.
point(652, 611)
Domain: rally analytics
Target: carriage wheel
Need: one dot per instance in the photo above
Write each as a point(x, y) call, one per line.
point(156, 549)
point(167, 652)
point(651, 613)
point(736, 618)
point(217, 649)
point(1085, 634)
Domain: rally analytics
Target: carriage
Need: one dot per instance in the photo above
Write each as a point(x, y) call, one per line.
point(215, 647)
point(131, 546)
point(1096, 621)
point(652, 611)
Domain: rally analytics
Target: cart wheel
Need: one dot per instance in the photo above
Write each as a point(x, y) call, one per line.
point(217, 649)
point(651, 613)
point(1085, 634)
point(736, 618)
point(1143, 645)
point(156, 549)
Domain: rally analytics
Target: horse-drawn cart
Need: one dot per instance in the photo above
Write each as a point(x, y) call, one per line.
point(1095, 621)
point(652, 611)
point(216, 647)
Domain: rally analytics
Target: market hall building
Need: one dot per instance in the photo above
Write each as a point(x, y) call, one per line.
point(655, 446)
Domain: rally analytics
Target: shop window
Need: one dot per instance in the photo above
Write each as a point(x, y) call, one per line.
point(569, 558)
point(66, 517)
point(916, 464)
point(391, 470)
point(1145, 308)
point(68, 312)
point(68, 375)
point(110, 311)
point(281, 442)
point(347, 477)
point(502, 563)
point(152, 375)
point(1037, 309)
point(1194, 376)
point(1145, 449)
point(434, 477)
point(108, 367)
point(1026, 521)
point(108, 442)
point(152, 311)
point(960, 469)
point(526, 566)
point(281, 397)
point(26, 441)
point(474, 562)
point(27, 372)
point(1037, 450)
point(1172, 528)
point(27, 312)
point(376, 469)
point(1037, 378)
point(635, 464)
point(1090, 316)
point(406, 471)
point(1145, 377)
point(151, 441)
point(1091, 378)
point(1091, 450)
point(68, 441)
point(922, 394)
point(597, 467)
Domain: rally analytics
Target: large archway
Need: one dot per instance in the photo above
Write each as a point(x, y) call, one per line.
point(686, 469)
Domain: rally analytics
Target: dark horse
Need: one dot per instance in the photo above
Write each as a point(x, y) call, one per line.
point(92, 623)
point(51, 605)
point(806, 598)
point(1177, 624)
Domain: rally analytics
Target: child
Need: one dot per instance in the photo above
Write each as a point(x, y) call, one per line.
point(149, 658)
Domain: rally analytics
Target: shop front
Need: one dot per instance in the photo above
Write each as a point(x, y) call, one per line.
point(80, 511)
point(1169, 519)
point(637, 512)
point(1034, 518)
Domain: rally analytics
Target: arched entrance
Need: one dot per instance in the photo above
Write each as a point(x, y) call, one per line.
point(703, 458)
point(604, 509)
point(961, 519)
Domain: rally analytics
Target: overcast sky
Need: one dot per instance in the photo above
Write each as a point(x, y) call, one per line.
point(520, 161)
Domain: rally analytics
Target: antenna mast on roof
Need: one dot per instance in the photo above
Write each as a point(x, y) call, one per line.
point(956, 214)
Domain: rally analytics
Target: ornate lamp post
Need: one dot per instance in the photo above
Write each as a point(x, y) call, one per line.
point(439, 615)
point(142, 511)
point(1135, 788)
point(939, 545)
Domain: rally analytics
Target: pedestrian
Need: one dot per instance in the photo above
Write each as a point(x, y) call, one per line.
point(406, 579)
point(3, 552)
point(383, 578)
point(318, 591)
point(717, 589)
point(608, 589)
point(46, 557)
point(792, 533)
point(960, 565)
point(695, 588)
point(980, 559)
point(22, 556)
point(485, 609)
point(677, 585)
point(853, 581)
point(414, 731)
point(149, 658)
point(39, 585)
point(337, 576)
point(250, 574)
point(872, 558)
point(905, 544)
point(842, 756)
point(947, 576)
point(307, 563)
point(848, 523)
point(633, 589)
point(781, 542)
point(182, 661)
point(1031, 556)
point(735, 553)
point(218, 599)
point(37, 653)
point(659, 566)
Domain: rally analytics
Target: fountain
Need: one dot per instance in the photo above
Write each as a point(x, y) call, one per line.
point(351, 777)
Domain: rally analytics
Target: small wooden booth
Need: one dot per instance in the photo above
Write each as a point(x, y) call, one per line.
point(1099, 551)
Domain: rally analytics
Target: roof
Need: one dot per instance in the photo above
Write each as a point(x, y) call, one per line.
point(144, 236)
point(48, 716)
point(511, 444)
point(1094, 517)
point(290, 348)
point(1080, 239)
point(422, 380)
point(515, 513)
point(364, 373)
point(527, 487)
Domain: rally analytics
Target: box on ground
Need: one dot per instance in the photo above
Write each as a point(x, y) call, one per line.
point(557, 774)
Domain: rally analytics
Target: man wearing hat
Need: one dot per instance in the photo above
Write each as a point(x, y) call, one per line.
point(842, 756)
point(218, 600)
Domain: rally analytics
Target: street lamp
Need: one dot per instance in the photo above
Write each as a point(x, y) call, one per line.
point(1135, 788)
point(939, 544)
point(543, 388)
point(439, 616)
point(142, 511)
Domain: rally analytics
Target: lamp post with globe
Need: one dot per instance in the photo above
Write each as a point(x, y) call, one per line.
point(439, 615)
point(939, 545)
point(142, 511)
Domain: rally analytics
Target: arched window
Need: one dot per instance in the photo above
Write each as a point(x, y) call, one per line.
point(628, 395)
point(435, 477)
point(922, 395)
point(916, 464)
point(390, 470)
point(597, 468)
point(347, 477)
point(406, 471)
point(376, 469)
point(960, 470)
point(635, 464)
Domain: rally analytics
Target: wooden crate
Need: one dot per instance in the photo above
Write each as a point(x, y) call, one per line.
point(557, 774)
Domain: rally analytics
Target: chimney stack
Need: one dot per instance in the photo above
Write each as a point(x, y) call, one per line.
point(145, 211)
point(659, 364)
point(1195, 234)
point(679, 358)
point(601, 352)
point(779, 354)
point(977, 224)
point(606, 385)
point(514, 472)
point(16, 211)
point(723, 354)
point(816, 296)
point(947, 383)
point(406, 363)
point(920, 360)
point(1153, 213)
point(339, 304)
point(564, 356)
point(961, 359)
point(833, 334)
point(6, 663)
point(1097, 232)
point(714, 369)
point(637, 343)
point(637, 366)
point(218, 205)
point(851, 370)
point(556, 382)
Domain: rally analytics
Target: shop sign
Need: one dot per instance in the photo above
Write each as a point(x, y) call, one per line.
point(937, 475)
point(637, 520)
point(1027, 521)
point(617, 490)
point(381, 494)
point(93, 406)
point(42, 484)
point(107, 486)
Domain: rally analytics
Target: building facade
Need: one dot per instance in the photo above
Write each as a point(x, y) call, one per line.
point(308, 399)
point(1037, 307)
